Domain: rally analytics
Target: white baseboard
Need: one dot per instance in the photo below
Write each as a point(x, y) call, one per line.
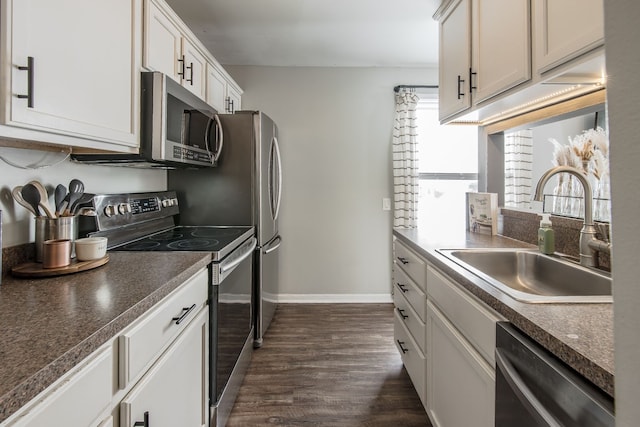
point(334, 298)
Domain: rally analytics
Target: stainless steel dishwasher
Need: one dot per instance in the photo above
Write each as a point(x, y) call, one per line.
point(534, 389)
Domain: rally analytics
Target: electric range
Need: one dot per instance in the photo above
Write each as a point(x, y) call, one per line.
point(147, 222)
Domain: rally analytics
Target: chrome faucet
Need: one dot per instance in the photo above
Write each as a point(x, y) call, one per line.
point(589, 244)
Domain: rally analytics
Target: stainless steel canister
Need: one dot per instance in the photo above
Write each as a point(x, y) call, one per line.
point(65, 227)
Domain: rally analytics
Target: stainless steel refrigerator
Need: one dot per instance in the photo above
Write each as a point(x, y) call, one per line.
point(244, 189)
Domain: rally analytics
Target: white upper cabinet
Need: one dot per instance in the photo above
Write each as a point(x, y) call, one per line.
point(455, 58)
point(485, 49)
point(195, 69)
point(501, 47)
point(83, 78)
point(162, 43)
point(222, 93)
point(565, 30)
point(168, 49)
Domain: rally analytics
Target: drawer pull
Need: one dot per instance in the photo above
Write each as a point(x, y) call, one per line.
point(401, 345)
point(403, 260)
point(403, 288)
point(404, 316)
point(186, 311)
point(144, 423)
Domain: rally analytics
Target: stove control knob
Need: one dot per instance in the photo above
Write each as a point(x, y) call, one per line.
point(166, 203)
point(110, 210)
point(124, 208)
point(174, 202)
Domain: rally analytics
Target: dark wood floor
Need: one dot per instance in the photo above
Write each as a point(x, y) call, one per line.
point(328, 365)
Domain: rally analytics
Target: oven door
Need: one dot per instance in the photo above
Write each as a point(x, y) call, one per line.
point(231, 322)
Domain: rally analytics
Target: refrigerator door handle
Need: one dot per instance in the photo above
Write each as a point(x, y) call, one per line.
point(277, 241)
point(276, 146)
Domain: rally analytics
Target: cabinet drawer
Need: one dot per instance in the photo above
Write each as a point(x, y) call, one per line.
point(410, 318)
point(412, 357)
point(144, 341)
point(411, 292)
point(411, 263)
point(77, 400)
point(472, 318)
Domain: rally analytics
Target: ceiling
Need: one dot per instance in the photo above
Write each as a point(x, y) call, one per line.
point(315, 33)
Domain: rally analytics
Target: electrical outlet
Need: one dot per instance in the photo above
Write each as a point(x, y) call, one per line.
point(386, 204)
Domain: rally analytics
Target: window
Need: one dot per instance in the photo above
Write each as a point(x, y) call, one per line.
point(448, 167)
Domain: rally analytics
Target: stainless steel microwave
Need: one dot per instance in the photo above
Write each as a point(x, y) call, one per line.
point(177, 129)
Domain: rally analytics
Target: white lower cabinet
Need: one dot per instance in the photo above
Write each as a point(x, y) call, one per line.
point(460, 384)
point(461, 342)
point(173, 392)
point(412, 357)
point(158, 365)
point(78, 399)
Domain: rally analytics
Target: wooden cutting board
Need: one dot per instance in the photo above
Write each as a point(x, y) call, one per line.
point(35, 269)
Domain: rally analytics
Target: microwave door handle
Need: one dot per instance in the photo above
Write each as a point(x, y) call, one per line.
point(219, 138)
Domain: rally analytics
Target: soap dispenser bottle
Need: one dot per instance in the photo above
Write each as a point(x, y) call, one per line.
point(546, 238)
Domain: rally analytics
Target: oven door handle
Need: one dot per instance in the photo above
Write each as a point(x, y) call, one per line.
point(523, 392)
point(224, 268)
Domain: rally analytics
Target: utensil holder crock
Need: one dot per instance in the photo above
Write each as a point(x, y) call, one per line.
point(65, 227)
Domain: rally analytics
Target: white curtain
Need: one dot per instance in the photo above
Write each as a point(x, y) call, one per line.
point(405, 161)
point(518, 161)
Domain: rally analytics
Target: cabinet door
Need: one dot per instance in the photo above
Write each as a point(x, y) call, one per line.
point(460, 384)
point(501, 52)
point(77, 400)
point(566, 29)
point(195, 69)
point(455, 58)
point(235, 98)
point(163, 43)
point(216, 89)
point(85, 74)
point(174, 391)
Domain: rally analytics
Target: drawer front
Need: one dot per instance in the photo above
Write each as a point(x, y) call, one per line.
point(411, 320)
point(411, 263)
point(78, 400)
point(412, 292)
point(143, 342)
point(471, 317)
point(412, 357)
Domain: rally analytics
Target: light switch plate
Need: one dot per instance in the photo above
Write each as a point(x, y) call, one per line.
point(386, 204)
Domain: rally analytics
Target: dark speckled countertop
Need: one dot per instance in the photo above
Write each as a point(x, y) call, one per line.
point(49, 325)
point(581, 335)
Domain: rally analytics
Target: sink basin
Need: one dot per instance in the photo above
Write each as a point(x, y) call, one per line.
point(532, 277)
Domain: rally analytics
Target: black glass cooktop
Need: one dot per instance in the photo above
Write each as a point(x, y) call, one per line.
point(196, 238)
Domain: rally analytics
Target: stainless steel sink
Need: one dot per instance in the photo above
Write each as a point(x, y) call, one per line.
point(529, 276)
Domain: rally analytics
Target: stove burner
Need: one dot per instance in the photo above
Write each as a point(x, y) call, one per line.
point(169, 235)
point(192, 244)
point(143, 245)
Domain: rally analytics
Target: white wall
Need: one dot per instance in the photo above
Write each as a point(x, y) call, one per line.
point(335, 131)
point(623, 60)
point(18, 224)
